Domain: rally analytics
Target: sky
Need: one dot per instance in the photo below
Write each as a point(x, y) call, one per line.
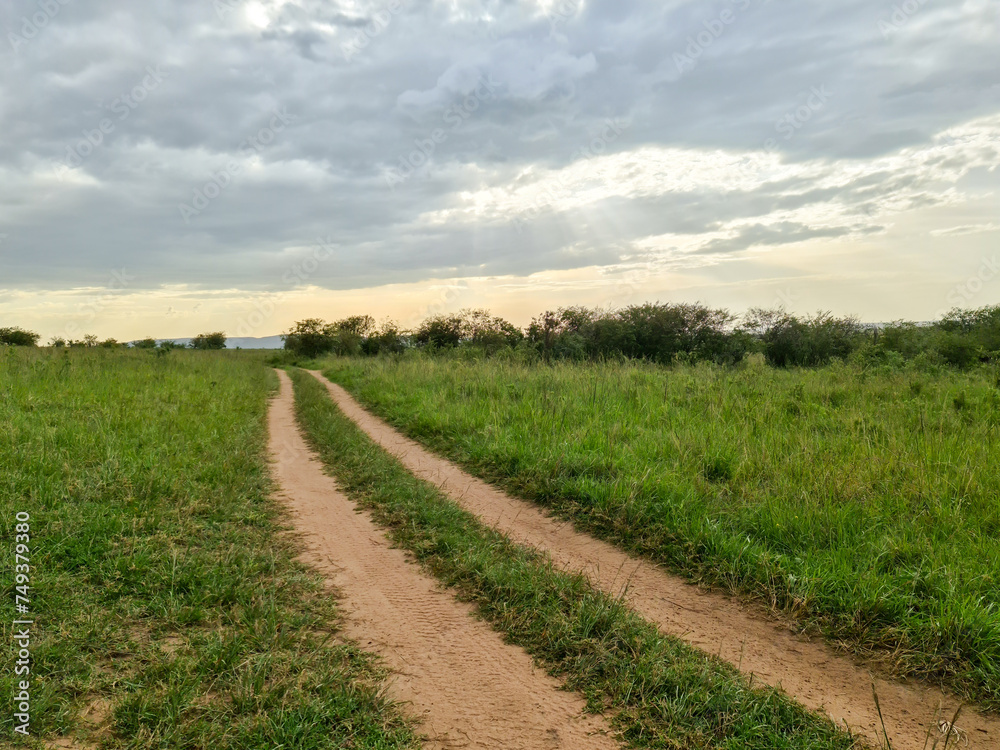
point(178, 166)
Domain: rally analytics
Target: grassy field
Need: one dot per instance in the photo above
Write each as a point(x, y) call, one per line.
point(866, 503)
point(659, 692)
point(168, 608)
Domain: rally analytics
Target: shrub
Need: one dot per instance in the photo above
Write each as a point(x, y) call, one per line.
point(489, 332)
point(389, 339)
point(214, 340)
point(348, 336)
point(789, 341)
point(18, 337)
point(440, 332)
point(957, 350)
point(671, 334)
point(309, 338)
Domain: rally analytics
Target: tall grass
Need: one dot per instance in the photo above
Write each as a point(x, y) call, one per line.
point(169, 609)
point(864, 502)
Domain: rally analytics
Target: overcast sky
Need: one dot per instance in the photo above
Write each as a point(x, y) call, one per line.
point(175, 166)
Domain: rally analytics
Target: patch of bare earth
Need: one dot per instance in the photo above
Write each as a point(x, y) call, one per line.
point(810, 671)
point(95, 716)
point(469, 688)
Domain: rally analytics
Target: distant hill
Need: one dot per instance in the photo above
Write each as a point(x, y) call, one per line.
point(244, 342)
point(266, 342)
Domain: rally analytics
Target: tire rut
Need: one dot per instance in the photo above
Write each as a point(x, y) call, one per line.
point(467, 687)
point(808, 670)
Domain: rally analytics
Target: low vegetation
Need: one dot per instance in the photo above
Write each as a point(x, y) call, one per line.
point(169, 610)
point(209, 341)
point(659, 692)
point(18, 337)
point(862, 500)
point(669, 334)
point(21, 337)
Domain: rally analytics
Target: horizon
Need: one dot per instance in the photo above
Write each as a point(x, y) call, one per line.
point(241, 165)
point(738, 319)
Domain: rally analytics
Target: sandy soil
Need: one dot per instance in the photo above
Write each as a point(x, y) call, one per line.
point(809, 670)
point(469, 688)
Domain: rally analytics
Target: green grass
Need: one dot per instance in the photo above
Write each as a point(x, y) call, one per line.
point(659, 692)
point(866, 503)
point(169, 609)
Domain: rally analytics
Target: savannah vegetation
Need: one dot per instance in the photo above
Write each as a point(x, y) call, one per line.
point(668, 334)
point(840, 473)
point(16, 336)
point(169, 608)
point(861, 498)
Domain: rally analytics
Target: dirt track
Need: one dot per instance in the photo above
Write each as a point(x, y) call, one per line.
point(809, 670)
point(470, 689)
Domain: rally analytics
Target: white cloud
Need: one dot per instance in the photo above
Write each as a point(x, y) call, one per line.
point(901, 160)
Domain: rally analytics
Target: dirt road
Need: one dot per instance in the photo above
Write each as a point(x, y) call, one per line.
point(470, 689)
point(809, 670)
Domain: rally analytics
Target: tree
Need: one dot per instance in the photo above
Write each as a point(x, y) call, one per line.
point(388, 339)
point(489, 332)
point(980, 328)
point(349, 335)
point(57, 342)
point(441, 332)
point(662, 332)
point(789, 341)
point(144, 344)
point(564, 333)
point(18, 337)
point(309, 338)
point(214, 340)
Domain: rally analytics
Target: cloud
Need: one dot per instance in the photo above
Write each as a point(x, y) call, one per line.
point(966, 229)
point(694, 168)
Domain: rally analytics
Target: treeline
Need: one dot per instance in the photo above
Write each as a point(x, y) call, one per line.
point(669, 333)
point(22, 337)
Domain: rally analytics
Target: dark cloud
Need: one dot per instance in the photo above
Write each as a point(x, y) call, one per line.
point(510, 94)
